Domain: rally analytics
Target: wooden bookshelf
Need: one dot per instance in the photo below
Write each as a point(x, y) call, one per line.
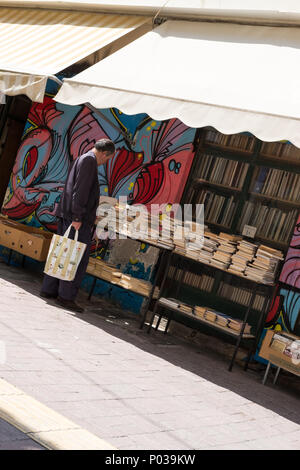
point(265, 185)
point(267, 289)
point(209, 296)
point(276, 184)
point(264, 194)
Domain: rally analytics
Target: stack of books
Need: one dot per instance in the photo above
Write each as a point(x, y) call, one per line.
point(179, 245)
point(222, 256)
point(233, 239)
point(173, 303)
point(217, 249)
point(225, 321)
point(242, 257)
point(186, 308)
point(169, 302)
point(221, 260)
point(125, 220)
point(188, 239)
point(222, 319)
point(210, 315)
point(199, 311)
point(263, 267)
point(236, 325)
point(210, 244)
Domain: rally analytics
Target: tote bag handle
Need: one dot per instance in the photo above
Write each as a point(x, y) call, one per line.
point(67, 233)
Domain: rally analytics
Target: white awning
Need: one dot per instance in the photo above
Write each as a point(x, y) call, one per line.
point(233, 77)
point(39, 43)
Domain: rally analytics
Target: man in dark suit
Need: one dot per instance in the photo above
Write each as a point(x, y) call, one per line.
point(78, 207)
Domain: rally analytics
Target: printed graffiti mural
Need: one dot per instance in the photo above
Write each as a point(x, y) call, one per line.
point(154, 170)
point(285, 311)
point(290, 273)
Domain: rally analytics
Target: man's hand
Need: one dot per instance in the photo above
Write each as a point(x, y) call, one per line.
point(76, 225)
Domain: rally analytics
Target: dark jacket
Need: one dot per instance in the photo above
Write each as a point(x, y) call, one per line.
point(80, 198)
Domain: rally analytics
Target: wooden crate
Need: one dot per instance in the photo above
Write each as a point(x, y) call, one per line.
point(29, 241)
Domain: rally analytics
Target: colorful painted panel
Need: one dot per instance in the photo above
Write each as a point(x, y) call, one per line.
point(290, 273)
point(284, 312)
point(153, 171)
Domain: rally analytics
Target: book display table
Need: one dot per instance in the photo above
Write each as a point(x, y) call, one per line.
point(282, 350)
point(227, 269)
point(175, 310)
point(99, 269)
point(29, 241)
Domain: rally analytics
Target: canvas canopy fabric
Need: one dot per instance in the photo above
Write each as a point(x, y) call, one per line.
point(39, 43)
point(233, 77)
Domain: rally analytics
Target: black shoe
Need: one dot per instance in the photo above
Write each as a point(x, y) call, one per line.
point(69, 305)
point(45, 295)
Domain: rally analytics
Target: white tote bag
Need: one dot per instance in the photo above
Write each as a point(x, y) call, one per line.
point(64, 256)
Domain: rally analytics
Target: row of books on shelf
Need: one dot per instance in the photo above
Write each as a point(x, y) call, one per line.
point(126, 221)
point(205, 283)
point(258, 262)
point(148, 227)
point(240, 295)
point(212, 316)
point(239, 141)
point(227, 252)
point(269, 182)
point(222, 171)
point(270, 222)
point(236, 255)
point(244, 142)
point(282, 150)
point(219, 209)
point(111, 274)
point(197, 280)
point(279, 184)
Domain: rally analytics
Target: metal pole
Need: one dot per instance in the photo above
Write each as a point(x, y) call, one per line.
point(242, 330)
point(276, 375)
point(266, 373)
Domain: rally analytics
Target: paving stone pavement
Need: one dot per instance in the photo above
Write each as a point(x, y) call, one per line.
point(133, 390)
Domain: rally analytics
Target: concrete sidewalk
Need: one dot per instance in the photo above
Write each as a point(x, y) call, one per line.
point(11, 438)
point(115, 385)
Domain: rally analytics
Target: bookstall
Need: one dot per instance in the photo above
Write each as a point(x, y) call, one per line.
point(198, 276)
point(246, 182)
point(251, 193)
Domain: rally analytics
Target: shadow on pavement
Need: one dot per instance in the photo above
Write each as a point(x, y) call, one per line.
point(208, 357)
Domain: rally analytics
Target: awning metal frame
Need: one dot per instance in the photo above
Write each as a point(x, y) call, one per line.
point(127, 137)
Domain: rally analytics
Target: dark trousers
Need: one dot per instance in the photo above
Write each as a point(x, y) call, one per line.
point(68, 289)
